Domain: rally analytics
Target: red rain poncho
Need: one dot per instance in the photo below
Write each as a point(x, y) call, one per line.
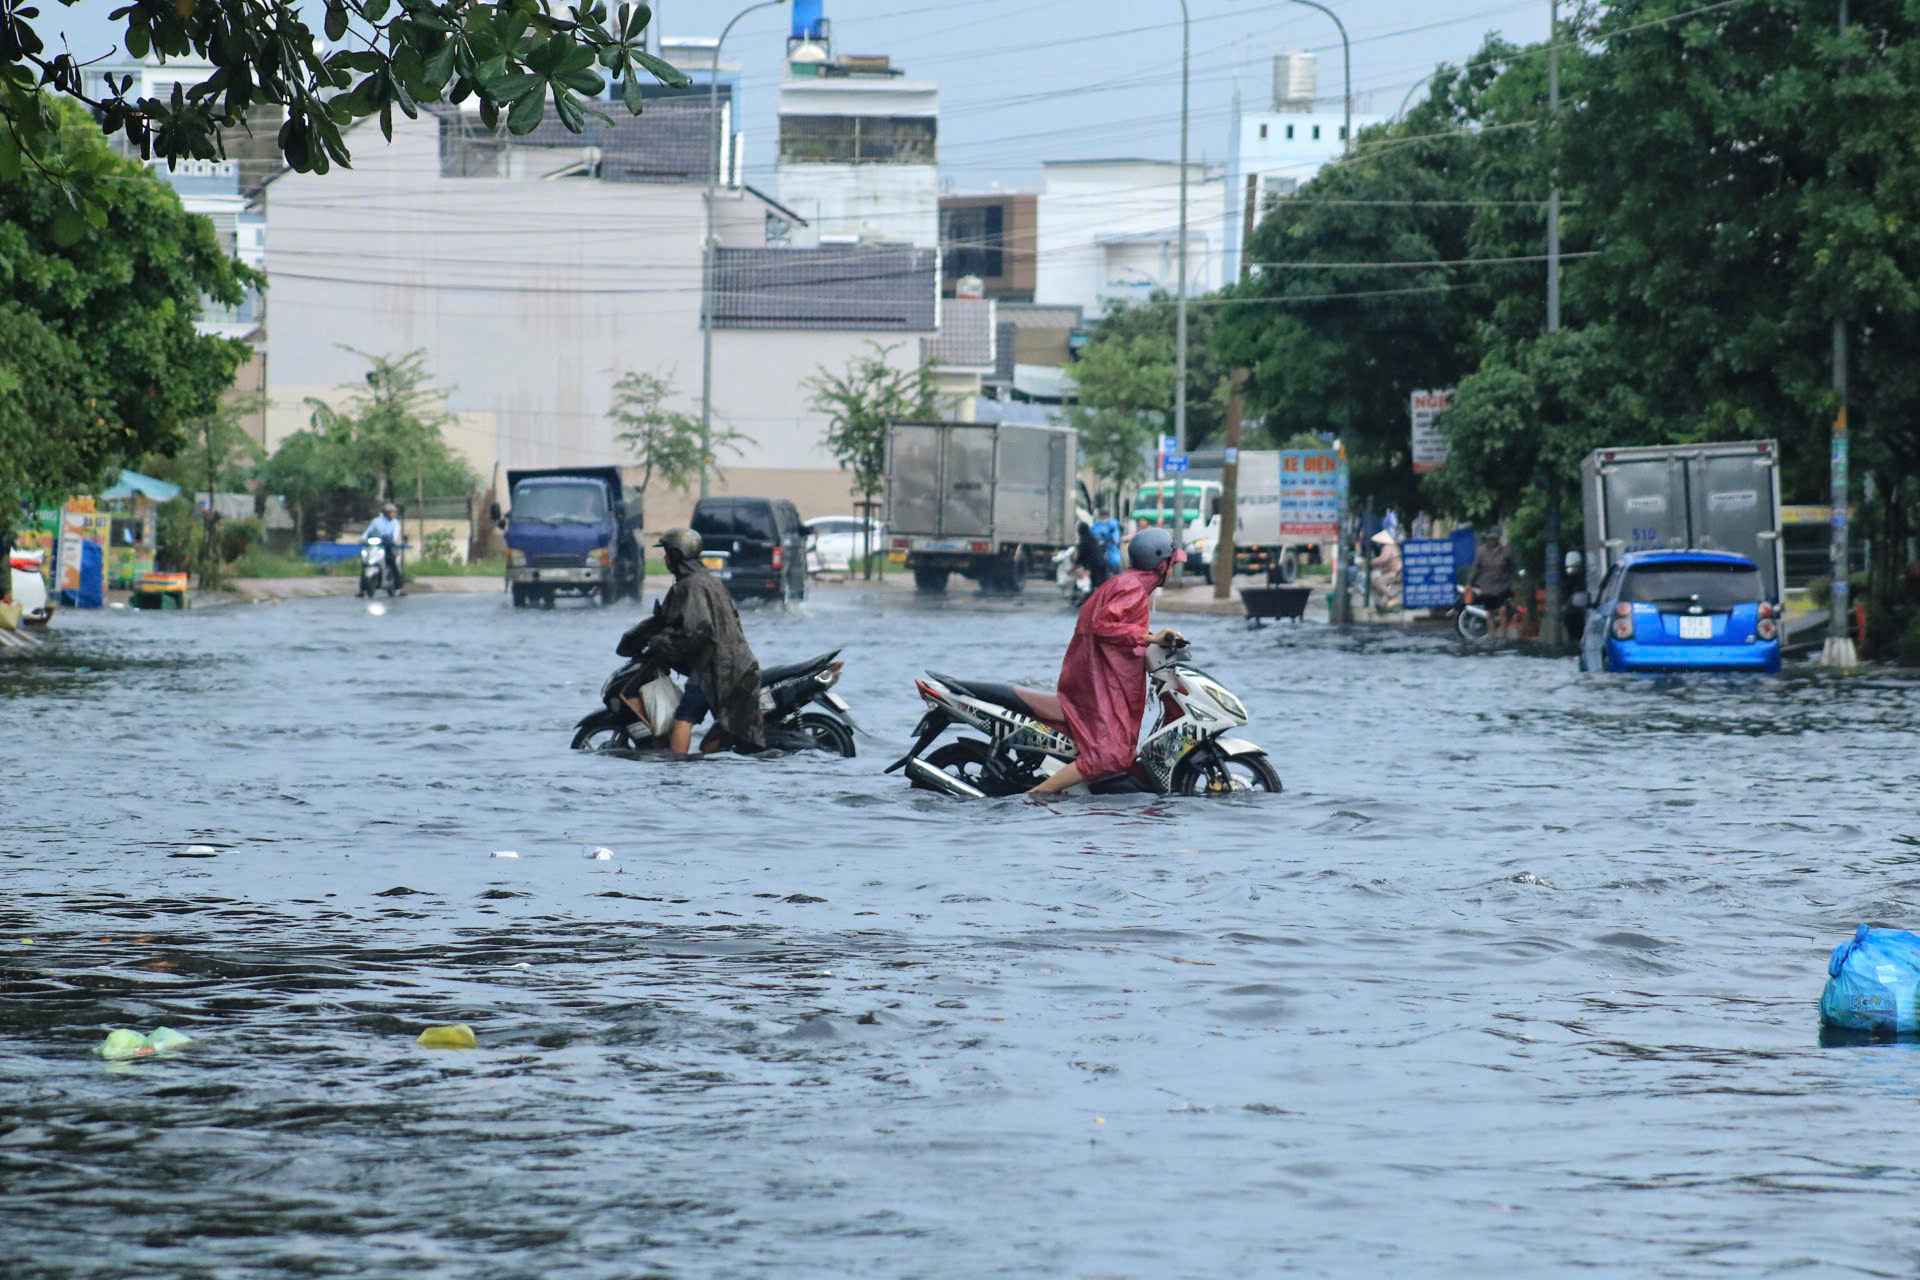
point(1103, 679)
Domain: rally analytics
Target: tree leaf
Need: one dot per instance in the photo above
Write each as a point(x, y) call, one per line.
point(634, 20)
point(526, 113)
point(664, 70)
point(630, 92)
point(69, 228)
point(336, 21)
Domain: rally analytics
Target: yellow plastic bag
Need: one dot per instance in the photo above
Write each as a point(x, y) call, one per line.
point(457, 1036)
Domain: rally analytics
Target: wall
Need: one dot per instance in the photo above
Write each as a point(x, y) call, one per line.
point(1083, 207)
point(1018, 217)
point(528, 298)
point(1291, 161)
point(896, 202)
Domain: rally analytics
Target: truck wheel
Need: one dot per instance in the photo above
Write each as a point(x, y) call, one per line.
point(519, 594)
point(607, 594)
point(1284, 570)
point(1012, 577)
point(930, 580)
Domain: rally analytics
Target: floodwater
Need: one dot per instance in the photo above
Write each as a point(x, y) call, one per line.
point(1518, 977)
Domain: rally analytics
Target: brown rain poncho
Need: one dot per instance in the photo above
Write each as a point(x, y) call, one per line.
point(700, 637)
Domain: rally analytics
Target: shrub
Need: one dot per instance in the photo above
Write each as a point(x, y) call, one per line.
point(236, 536)
point(439, 545)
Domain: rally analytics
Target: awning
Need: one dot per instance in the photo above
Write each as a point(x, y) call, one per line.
point(134, 485)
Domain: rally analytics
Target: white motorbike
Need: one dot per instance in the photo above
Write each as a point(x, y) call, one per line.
point(375, 572)
point(1075, 583)
point(1186, 752)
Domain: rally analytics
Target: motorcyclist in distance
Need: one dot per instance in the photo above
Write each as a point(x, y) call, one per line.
point(1103, 679)
point(386, 527)
point(697, 633)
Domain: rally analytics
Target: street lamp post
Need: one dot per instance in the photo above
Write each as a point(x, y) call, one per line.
point(706, 248)
point(1180, 311)
point(1340, 608)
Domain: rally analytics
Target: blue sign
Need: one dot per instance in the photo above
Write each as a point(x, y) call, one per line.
point(1426, 566)
point(1176, 462)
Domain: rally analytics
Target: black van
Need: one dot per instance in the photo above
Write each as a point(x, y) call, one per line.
point(757, 546)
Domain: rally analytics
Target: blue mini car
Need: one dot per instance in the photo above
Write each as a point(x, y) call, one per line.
point(1682, 611)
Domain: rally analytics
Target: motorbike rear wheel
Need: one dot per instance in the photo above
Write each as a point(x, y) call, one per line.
point(602, 731)
point(966, 759)
point(1472, 625)
point(1216, 775)
point(829, 733)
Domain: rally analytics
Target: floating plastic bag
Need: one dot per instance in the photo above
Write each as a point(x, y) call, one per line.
point(457, 1036)
point(1873, 984)
point(123, 1044)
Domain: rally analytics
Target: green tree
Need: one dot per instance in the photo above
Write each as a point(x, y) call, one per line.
point(859, 402)
point(1125, 391)
point(512, 57)
point(1206, 372)
point(390, 431)
point(665, 442)
point(99, 358)
point(313, 473)
point(1362, 289)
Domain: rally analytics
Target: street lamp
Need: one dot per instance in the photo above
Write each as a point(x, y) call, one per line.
point(1180, 311)
point(706, 248)
point(1340, 608)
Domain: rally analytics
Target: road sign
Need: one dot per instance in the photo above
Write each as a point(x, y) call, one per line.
point(1427, 573)
point(1176, 463)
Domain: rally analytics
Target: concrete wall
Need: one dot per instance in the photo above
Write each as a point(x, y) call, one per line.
point(1085, 207)
point(529, 299)
point(894, 202)
point(1259, 144)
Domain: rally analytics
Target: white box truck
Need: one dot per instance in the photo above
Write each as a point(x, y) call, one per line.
point(991, 501)
point(1257, 545)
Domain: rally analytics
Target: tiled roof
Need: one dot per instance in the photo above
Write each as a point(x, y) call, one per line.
point(672, 141)
point(967, 336)
point(884, 286)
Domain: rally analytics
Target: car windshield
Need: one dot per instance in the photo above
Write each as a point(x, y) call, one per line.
point(1711, 586)
point(559, 503)
point(723, 519)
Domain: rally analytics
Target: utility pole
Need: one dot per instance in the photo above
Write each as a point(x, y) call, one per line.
point(1550, 629)
point(1223, 550)
point(1180, 313)
point(1838, 650)
point(1340, 605)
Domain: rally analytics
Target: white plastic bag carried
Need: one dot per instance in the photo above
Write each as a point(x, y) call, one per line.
point(659, 698)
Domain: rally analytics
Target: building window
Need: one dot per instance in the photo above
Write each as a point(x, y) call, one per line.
point(1316, 133)
point(1289, 133)
point(858, 139)
point(973, 241)
point(1263, 131)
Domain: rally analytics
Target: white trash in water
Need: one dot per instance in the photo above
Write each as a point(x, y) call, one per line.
point(201, 851)
point(599, 854)
point(505, 853)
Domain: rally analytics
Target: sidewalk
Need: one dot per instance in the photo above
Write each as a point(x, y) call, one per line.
point(254, 590)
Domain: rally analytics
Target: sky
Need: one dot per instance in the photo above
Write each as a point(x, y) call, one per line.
point(1022, 81)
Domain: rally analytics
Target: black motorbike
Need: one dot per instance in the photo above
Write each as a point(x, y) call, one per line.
point(802, 710)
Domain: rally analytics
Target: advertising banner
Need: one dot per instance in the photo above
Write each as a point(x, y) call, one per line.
point(1429, 445)
point(80, 526)
point(1427, 569)
point(1311, 482)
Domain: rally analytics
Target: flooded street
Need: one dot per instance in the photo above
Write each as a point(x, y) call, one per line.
point(1519, 975)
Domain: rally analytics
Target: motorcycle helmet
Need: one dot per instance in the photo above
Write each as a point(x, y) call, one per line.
point(681, 544)
point(1150, 549)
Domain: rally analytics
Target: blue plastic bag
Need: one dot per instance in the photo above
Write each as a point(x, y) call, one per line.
point(1873, 984)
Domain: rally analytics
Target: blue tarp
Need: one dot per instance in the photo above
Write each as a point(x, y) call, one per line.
point(93, 580)
point(132, 484)
point(332, 552)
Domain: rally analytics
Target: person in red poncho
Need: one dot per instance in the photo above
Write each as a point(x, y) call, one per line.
point(1103, 679)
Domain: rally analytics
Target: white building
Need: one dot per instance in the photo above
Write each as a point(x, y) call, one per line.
point(858, 140)
point(531, 294)
point(1280, 147)
point(1108, 232)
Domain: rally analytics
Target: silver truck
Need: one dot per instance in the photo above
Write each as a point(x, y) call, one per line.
point(991, 501)
point(1720, 497)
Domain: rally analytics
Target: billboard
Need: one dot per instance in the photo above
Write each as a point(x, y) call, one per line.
point(1429, 445)
point(1427, 573)
point(1311, 485)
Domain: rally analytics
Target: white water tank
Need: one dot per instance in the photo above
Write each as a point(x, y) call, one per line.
point(1295, 81)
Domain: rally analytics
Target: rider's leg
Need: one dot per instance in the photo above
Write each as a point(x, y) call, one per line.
point(1062, 778)
point(680, 740)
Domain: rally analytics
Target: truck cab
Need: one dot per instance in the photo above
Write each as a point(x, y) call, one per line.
point(571, 531)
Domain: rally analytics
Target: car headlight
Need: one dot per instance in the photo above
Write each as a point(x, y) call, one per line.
point(603, 557)
point(516, 558)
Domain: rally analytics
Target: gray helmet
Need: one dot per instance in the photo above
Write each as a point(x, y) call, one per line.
point(390, 509)
point(1150, 549)
point(681, 543)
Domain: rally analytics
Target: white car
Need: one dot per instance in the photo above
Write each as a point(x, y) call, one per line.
point(29, 588)
point(834, 542)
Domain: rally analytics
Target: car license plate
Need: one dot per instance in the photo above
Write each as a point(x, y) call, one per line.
point(940, 544)
point(1693, 628)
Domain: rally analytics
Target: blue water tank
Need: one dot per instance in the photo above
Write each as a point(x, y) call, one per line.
point(809, 20)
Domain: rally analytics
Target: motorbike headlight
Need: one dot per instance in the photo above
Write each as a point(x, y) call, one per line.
point(516, 558)
point(1228, 703)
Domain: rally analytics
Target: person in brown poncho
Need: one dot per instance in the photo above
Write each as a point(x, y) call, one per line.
point(698, 634)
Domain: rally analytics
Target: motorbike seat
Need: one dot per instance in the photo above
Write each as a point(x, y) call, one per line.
point(1041, 703)
point(770, 676)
